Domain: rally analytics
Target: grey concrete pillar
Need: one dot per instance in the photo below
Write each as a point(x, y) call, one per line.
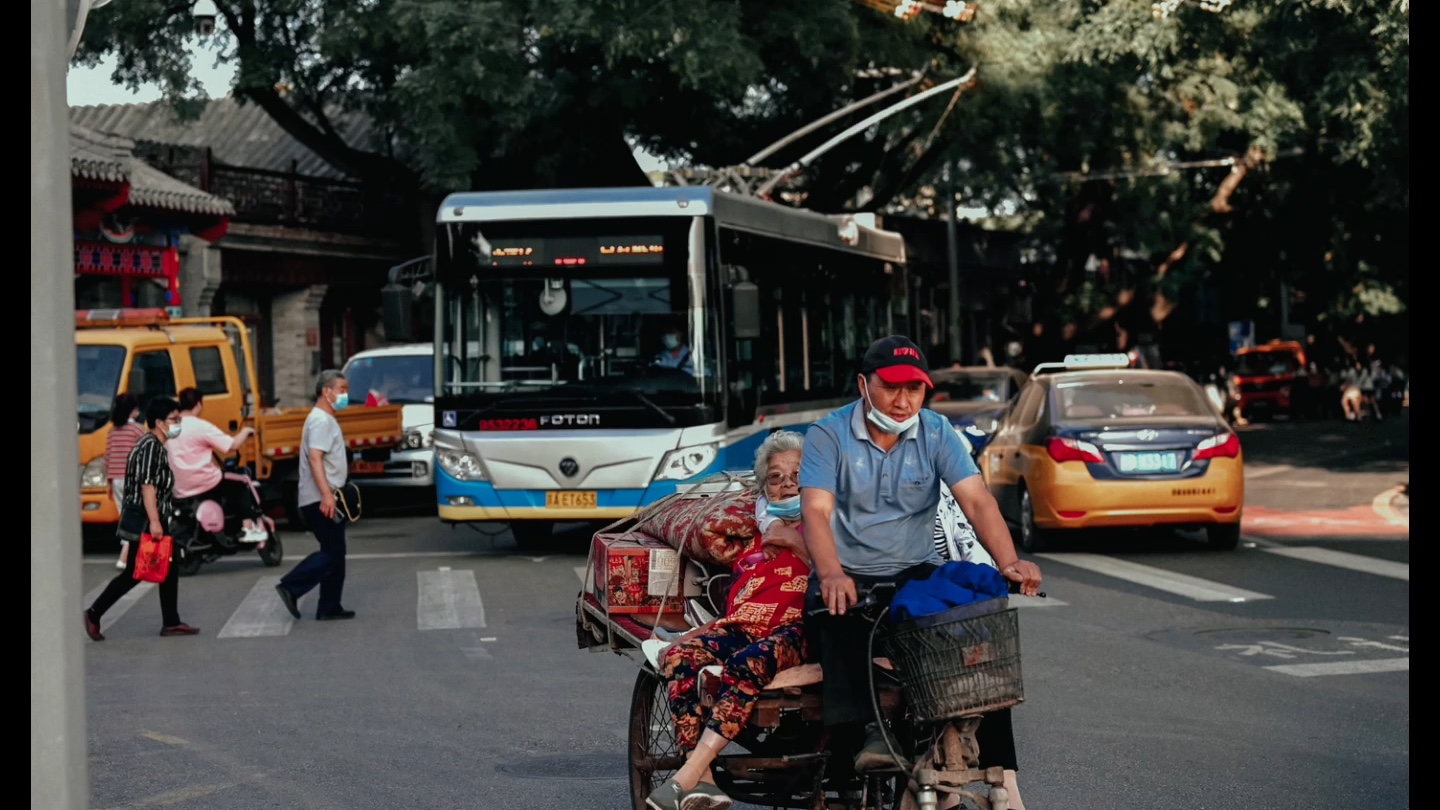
point(199, 275)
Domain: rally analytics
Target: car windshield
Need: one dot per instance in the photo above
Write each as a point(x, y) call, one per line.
point(973, 388)
point(393, 379)
point(1129, 399)
point(98, 376)
point(1257, 364)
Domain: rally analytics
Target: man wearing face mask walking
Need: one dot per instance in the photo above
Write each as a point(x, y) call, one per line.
point(870, 485)
point(323, 469)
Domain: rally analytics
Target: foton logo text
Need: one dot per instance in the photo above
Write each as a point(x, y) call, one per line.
point(571, 420)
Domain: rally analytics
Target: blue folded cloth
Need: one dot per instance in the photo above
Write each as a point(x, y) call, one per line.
point(952, 585)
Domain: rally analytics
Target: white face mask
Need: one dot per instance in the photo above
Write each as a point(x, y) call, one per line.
point(173, 431)
point(884, 422)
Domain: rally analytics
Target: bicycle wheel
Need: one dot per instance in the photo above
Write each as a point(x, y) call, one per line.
point(654, 752)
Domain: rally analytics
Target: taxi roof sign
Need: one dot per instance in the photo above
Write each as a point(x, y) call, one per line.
point(1074, 362)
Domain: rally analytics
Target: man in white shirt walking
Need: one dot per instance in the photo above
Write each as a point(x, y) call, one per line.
point(322, 471)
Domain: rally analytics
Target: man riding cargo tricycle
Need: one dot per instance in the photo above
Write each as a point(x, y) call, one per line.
point(827, 656)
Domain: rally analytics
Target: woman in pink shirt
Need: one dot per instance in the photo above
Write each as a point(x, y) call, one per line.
point(196, 473)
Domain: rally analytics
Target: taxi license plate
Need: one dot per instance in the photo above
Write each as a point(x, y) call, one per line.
point(367, 467)
point(1149, 462)
point(570, 499)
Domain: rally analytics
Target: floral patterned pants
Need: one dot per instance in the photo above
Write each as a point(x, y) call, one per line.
point(750, 661)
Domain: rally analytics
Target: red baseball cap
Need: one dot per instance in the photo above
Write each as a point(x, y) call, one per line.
point(896, 360)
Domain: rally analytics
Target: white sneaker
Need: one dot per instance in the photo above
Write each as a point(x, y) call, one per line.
point(255, 535)
point(120, 564)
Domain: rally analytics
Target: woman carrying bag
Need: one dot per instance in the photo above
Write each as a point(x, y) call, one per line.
point(149, 488)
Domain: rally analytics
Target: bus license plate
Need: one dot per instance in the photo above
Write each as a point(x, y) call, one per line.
point(570, 499)
point(367, 467)
point(1149, 462)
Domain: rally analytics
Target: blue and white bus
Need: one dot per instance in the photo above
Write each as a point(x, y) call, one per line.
point(597, 349)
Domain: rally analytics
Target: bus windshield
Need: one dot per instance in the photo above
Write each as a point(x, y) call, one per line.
point(625, 334)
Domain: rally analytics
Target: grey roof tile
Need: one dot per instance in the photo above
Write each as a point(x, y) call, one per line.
point(109, 158)
point(238, 134)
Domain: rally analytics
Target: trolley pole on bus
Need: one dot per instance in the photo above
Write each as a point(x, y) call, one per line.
point(58, 779)
point(952, 251)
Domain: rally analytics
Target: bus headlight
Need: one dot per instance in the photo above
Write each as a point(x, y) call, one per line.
point(460, 465)
point(93, 474)
point(686, 462)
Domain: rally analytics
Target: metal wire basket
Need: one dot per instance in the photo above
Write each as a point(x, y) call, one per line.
point(963, 661)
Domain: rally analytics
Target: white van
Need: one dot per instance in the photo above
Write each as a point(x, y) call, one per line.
point(399, 375)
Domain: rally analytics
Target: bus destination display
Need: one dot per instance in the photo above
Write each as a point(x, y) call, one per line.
point(572, 251)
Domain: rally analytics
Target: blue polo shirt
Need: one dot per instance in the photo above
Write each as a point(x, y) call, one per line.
point(884, 502)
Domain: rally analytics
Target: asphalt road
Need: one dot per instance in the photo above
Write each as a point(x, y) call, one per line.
point(1157, 674)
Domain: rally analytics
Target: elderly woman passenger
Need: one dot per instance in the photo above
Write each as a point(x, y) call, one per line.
point(760, 634)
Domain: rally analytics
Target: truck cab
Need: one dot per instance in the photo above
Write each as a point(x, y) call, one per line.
point(1268, 379)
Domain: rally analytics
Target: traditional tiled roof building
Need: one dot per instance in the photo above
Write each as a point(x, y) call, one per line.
point(303, 249)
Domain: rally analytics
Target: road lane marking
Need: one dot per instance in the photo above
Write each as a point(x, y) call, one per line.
point(1201, 590)
point(164, 738)
point(176, 796)
point(261, 613)
point(580, 572)
point(1343, 667)
point(448, 600)
point(1382, 507)
point(1341, 559)
point(118, 609)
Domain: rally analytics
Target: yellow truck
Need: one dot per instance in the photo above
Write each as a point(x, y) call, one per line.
point(147, 353)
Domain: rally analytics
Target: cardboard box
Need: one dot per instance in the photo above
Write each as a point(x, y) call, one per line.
point(633, 571)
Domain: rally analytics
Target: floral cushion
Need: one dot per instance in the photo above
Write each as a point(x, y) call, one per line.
point(719, 529)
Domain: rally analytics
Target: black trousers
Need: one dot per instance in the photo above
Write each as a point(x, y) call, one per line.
point(325, 568)
point(125, 581)
point(841, 643)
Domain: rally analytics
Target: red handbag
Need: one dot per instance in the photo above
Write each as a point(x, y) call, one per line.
point(152, 558)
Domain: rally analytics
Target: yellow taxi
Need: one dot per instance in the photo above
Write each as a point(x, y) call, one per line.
point(1093, 443)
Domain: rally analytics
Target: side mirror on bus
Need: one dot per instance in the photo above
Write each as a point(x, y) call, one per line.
point(397, 306)
point(745, 311)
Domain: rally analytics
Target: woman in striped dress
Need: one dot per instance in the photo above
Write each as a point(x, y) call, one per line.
point(125, 431)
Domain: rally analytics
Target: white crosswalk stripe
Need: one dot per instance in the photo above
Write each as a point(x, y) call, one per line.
point(261, 613)
point(1343, 667)
point(1341, 559)
point(448, 600)
point(120, 607)
point(1201, 590)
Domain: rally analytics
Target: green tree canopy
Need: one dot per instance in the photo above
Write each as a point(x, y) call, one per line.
point(1264, 142)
